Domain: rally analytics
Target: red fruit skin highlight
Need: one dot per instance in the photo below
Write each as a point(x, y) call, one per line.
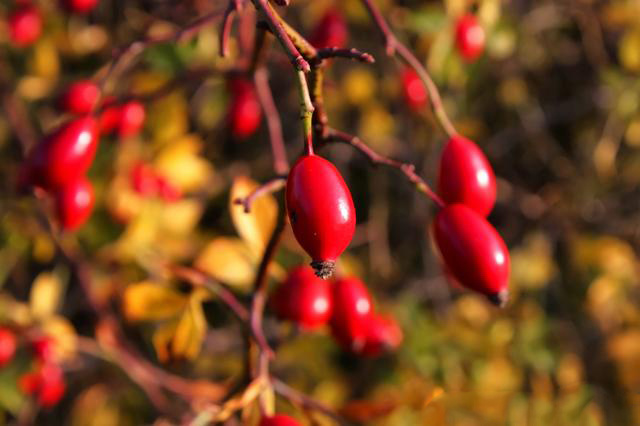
point(74, 203)
point(352, 311)
point(81, 97)
point(473, 251)
point(304, 299)
point(470, 37)
point(320, 210)
point(8, 345)
point(25, 25)
point(66, 154)
point(466, 177)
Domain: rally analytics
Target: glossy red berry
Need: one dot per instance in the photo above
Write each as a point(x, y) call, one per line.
point(352, 311)
point(413, 90)
point(74, 203)
point(81, 6)
point(25, 25)
point(470, 37)
point(46, 382)
point(81, 97)
point(43, 348)
point(144, 180)
point(132, 115)
point(472, 251)
point(382, 334)
point(110, 116)
point(279, 420)
point(66, 154)
point(304, 298)
point(331, 31)
point(245, 113)
point(321, 211)
point(8, 346)
point(466, 176)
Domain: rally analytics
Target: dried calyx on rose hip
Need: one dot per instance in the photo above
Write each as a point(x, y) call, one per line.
point(303, 298)
point(245, 113)
point(25, 25)
point(466, 177)
point(279, 420)
point(470, 37)
point(320, 210)
point(472, 251)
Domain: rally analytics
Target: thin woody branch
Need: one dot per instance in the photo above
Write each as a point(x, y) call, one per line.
point(268, 187)
point(355, 54)
point(265, 97)
point(406, 168)
point(396, 47)
point(226, 24)
point(274, 22)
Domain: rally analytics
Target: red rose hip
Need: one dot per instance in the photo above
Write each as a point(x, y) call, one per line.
point(472, 251)
point(321, 211)
point(413, 90)
point(279, 420)
point(331, 31)
point(470, 37)
point(25, 25)
point(132, 115)
point(382, 334)
point(466, 176)
point(352, 311)
point(245, 113)
point(66, 154)
point(81, 97)
point(81, 6)
point(74, 203)
point(8, 346)
point(303, 298)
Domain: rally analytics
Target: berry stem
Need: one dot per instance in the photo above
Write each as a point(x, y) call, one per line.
point(265, 97)
point(395, 47)
point(306, 112)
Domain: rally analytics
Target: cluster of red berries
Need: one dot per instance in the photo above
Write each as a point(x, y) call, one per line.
point(245, 113)
point(59, 163)
point(46, 380)
point(345, 305)
point(472, 251)
point(25, 21)
point(148, 183)
point(470, 37)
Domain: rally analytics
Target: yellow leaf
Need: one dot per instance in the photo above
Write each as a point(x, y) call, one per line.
point(148, 301)
point(162, 337)
point(168, 118)
point(180, 217)
point(45, 295)
point(63, 335)
point(228, 260)
point(256, 226)
point(181, 164)
point(190, 331)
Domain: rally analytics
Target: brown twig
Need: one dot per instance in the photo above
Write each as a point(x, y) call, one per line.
point(234, 7)
point(406, 168)
point(265, 97)
point(305, 401)
point(198, 278)
point(268, 187)
point(260, 289)
point(355, 54)
point(274, 22)
point(396, 47)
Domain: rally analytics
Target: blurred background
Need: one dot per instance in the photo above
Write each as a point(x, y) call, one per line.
point(554, 103)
